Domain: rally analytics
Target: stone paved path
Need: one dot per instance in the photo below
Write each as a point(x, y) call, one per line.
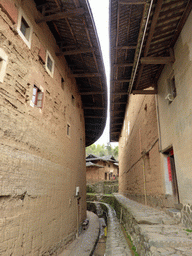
point(154, 232)
point(116, 243)
point(84, 244)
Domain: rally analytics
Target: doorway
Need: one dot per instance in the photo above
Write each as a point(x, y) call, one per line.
point(172, 174)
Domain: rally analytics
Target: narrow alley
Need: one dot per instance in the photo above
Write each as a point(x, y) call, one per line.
point(58, 199)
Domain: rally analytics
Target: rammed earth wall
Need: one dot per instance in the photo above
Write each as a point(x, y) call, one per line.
point(40, 164)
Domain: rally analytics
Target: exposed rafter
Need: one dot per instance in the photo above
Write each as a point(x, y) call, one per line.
point(94, 108)
point(156, 60)
point(91, 93)
point(144, 91)
point(86, 75)
point(123, 65)
point(119, 102)
point(119, 93)
point(75, 52)
point(95, 117)
point(131, 2)
point(61, 15)
point(126, 47)
point(151, 32)
point(121, 81)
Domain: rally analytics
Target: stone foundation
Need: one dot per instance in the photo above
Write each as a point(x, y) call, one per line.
point(106, 187)
point(186, 216)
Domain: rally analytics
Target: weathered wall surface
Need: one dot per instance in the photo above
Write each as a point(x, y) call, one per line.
point(40, 164)
point(139, 160)
point(176, 118)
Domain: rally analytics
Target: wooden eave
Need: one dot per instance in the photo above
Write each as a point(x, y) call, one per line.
point(154, 48)
point(71, 23)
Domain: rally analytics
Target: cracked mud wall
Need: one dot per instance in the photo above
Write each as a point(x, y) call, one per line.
point(40, 164)
point(139, 158)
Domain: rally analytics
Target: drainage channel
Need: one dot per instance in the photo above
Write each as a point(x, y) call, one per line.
point(112, 240)
point(102, 214)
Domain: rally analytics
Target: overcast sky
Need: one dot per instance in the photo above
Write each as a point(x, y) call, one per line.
point(100, 10)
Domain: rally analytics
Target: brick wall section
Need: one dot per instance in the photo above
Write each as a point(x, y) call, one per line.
point(140, 135)
point(40, 165)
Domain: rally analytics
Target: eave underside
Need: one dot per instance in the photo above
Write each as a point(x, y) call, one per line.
point(72, 25)
point(146, 61)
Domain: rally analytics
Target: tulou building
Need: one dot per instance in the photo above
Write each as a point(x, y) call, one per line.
point(53, 103)
point(101, 168)
point(151, 111)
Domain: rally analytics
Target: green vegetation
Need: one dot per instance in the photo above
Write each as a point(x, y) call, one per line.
point(188, 230)
point(133, 246)
point(103, 150)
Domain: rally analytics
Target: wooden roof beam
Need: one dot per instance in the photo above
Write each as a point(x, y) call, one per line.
point(121, 81)
point(119, 93)
point(126, 47)
point(131, 2)
point(75, 52)
point(94, 108)
point(156, 60)
point(102, 117)
point(61, 15)
point(91, 93)
point(86, 75)
point(123, 65)
point(117, 103)
point(150, 36)
point(144, 92)
point(182, 22)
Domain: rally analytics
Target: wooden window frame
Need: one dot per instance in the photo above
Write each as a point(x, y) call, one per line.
point(37, 98)
point(27, 37)
point(3, 64)
point(49, 57)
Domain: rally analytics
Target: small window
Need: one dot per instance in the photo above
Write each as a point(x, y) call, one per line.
point(24, 28)
point(49, 65)
point(73, 100)
point(3, 64)
point(37, 98)
point(68, 129)
point(62, 83)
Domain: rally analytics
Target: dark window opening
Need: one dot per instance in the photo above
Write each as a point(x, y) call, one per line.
point(73, 100)
point(62, 83)
point(49, 63)
point(68, 129)
point(25, 29)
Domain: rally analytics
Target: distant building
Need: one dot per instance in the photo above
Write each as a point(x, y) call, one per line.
point(101, 168)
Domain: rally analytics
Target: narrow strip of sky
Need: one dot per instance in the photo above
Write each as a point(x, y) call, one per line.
point(100, 10)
